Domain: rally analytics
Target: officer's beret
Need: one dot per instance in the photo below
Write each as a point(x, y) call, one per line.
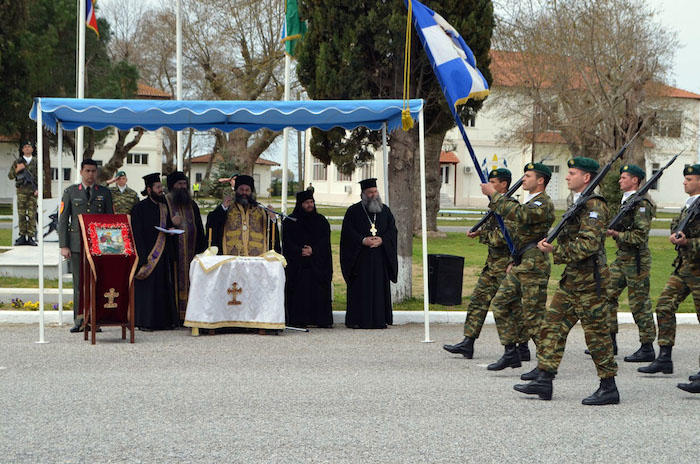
point(584, 164)
point(501, 173)
point(119, 174)
point(693, 170)
point(368, 183)
point(539, 167)
point(633, 170)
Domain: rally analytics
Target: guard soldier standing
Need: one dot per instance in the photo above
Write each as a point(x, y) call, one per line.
point(23, 172)
point(684, 280)
point(491, 276)
point(581, 293)
point(86, 197)
point(525, 286)
point(123, 197)
point(632, 266)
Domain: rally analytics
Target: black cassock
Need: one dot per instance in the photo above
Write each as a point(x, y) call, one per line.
point(154, 296)
point(308, 287)
point(367, 271)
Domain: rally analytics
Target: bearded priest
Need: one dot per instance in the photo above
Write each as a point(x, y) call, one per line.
point(368, 259)
point(185, 215)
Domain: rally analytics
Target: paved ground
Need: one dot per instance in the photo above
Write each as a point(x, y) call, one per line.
point(326, 396)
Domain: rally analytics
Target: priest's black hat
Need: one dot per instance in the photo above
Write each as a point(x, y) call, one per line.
point(149, 180)
point(175, 177)
point(368, 183)
point(304, 195)
point(244, 180)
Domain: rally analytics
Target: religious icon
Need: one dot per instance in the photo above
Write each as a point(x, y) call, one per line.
point(110, 241)
point(111, 295)
point(235, 290)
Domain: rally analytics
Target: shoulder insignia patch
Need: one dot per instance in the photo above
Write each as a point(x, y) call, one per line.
point(642, 209)
point(593, 214)
point(538, 203)
point(63, 206)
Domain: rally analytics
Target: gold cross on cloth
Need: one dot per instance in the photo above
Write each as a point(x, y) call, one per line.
point(235, 290)
point(373, 230)
point(111, 295)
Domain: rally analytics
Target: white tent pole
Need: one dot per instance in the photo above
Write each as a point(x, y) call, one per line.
point(285, 135)
point(81, 86)
point(59, 195)
point(424, 225)
point(180, 161)
point(385, 160)
point(40, 212)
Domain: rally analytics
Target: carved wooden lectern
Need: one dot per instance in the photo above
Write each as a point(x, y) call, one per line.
point(108, 264)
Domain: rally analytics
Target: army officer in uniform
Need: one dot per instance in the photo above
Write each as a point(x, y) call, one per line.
point(85, 197)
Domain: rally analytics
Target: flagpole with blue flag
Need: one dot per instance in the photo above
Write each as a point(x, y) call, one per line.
point(454, 65)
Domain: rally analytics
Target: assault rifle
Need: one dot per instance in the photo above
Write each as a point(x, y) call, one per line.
point(692, 214)
point(24, 175)
point(513, 188)
point(631, 203)
point(585, 195)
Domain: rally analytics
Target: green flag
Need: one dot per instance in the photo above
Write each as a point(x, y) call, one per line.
point(294, 28)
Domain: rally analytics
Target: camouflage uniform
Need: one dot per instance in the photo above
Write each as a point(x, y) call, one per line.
point(581, 247)
point(123, 201)
point(526, 285)
point(26, 200)
point(489, 280)
point(631, 269)
point(684, 280)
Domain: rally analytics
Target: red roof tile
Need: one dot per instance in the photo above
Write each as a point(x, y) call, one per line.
point(203, 159)
point(448, 157)
point(9, 138)
point(148, 92)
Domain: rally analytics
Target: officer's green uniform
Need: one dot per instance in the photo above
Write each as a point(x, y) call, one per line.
point(526, 283)
point(632, 266)
point(26, 200)
point(75, 202)
point(123, 201)
point(582, 288)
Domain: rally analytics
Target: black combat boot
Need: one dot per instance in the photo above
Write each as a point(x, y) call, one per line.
point(661, 364)
point(694, 377)
point(605, 394)
point(692, 387)
point(524, 352)
point(465, 347)
point(541, 386)
point(30, 241)
point(510, 358)
point(532, 375)
point(645, 353)
point(20, 241)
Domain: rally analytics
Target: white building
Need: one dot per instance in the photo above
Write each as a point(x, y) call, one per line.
point(144, 158)
point(676, 129)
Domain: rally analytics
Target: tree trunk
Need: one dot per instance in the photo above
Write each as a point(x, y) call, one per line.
point(433, 147)
point(120, 151)
point(403, 147)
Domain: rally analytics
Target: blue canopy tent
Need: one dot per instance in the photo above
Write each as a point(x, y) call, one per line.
point(57, 114)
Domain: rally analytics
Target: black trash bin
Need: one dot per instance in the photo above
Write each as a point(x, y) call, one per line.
point(445, 277)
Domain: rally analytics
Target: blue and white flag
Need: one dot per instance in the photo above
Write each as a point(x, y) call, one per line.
point(452, 60)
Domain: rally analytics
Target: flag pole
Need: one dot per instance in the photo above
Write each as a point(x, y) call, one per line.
point(180, 161)
point(285, 134)
point(40, 208)
point(60, 193)
point(79, 139)
point(424, 224)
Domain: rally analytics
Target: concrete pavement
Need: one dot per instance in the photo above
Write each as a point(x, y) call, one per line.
point(333, 395)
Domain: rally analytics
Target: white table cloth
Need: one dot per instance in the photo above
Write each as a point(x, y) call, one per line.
point(235, 291)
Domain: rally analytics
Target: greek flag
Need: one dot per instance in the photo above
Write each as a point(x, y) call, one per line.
point(453, 61)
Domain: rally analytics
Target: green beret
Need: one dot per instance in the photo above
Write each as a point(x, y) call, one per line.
point(539, 167)
point(633, 170)
point(693, 170)
point(584, 164)
point(501, 173)
point(119, 174)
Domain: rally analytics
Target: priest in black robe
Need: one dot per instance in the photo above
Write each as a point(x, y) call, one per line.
point(368, 259)
point(306, 242)
point(154, 283)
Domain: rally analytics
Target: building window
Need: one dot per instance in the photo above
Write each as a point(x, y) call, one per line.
point(544, 116)
point(445, 174)
point(320, 170)
point(66, 174)
point(654, 169)
point(137, 158)
point(667, 124)
point(198, 177)
point(340, 177)
point(367, 170)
